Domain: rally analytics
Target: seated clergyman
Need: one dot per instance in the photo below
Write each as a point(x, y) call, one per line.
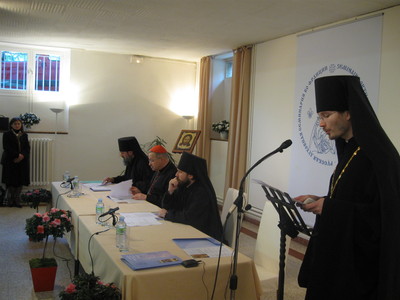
point(164, 171)
point(191, 198)
point(137, 165)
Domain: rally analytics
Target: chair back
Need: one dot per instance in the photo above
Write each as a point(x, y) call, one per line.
point(230, 226)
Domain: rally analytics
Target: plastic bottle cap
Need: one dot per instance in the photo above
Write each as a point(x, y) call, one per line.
point(100, 200)
point(121, 218)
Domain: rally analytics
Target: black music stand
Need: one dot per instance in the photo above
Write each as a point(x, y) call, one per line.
point(290, 223)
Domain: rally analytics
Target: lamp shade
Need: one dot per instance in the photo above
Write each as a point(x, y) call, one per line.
point(57, 110)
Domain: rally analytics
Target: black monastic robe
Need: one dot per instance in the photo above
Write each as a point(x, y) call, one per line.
point(140, 173)
point(159, 184)
point(342, 259)
point(194, 206)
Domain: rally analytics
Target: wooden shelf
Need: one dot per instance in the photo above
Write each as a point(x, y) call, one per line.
point(219, 139)
point(46, 132)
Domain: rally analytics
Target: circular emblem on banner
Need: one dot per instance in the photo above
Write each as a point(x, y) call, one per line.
point(313, 139)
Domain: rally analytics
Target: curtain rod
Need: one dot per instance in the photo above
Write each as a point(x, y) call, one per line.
point(340, 23)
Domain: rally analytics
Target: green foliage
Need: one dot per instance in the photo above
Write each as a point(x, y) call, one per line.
point(42, 262)
point(89, 287)
point(55, 222)
point(157, 141)
point(220, 126)
point(34, 197)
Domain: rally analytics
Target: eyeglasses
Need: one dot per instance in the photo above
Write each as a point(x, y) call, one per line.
point(324, 115)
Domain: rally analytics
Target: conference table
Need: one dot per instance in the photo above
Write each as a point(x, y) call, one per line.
point(94, 247)
point(85, 205)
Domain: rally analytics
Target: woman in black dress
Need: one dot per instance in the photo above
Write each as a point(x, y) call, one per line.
point(15, 161)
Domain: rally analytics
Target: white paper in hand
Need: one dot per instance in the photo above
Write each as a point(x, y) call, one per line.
point(121, 190)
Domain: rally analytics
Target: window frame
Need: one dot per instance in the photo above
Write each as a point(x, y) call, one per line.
point(228, 62)
point(32, 51)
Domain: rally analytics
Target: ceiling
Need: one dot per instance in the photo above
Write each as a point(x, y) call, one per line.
point(175, 29)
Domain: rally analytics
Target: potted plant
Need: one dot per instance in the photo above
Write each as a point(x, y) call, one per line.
point(55, 222)
point(89, 287)
point(222, 127)
point(34, 197)
point(29, 119)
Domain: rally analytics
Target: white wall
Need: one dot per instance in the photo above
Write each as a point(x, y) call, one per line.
point(273, 100)
point(272, 113)
point(115, 98)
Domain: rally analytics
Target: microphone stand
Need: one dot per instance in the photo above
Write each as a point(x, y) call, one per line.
point(239, 204)
point(114, 222)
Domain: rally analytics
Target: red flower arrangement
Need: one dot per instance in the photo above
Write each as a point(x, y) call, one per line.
point(89, 287)
point(34, 197)
point(55, 222)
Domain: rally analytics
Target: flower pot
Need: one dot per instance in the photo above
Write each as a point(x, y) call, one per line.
point(43, 278)
point(224, 135)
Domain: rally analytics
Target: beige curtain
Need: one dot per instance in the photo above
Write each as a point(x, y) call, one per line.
point(203, 146)
point(239, 117)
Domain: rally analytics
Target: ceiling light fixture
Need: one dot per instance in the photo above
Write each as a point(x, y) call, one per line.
point(136, 59)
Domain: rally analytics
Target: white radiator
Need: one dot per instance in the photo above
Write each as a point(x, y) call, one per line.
point(41, 161)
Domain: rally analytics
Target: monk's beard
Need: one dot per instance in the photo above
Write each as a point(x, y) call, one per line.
point(183, 184)
point(127, 160)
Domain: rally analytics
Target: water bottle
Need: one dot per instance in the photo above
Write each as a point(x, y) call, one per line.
point(66, 176)
point(122, 235)
point(76, 187)
point(99, 210)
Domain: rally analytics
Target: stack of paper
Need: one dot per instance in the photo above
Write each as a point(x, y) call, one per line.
point(97, 186)
point(150, 260)
point(140, 219)
point(122, 190)
point(203, 247)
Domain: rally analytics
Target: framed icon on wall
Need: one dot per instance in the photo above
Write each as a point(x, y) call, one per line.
point(186, 141)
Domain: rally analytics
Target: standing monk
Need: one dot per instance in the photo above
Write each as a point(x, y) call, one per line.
point(353, 253)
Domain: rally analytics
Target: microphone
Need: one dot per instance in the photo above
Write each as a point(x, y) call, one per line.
point(110, 211)
point(68, 181)
point(284, 145)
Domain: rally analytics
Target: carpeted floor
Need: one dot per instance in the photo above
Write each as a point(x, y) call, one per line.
point(16, 250)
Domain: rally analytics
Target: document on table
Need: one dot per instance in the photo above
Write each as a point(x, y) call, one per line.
point(140, 219)
point(150, 260)
point(122, 190)
point(203, 247)
point(130, 200)
point(97, 186)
